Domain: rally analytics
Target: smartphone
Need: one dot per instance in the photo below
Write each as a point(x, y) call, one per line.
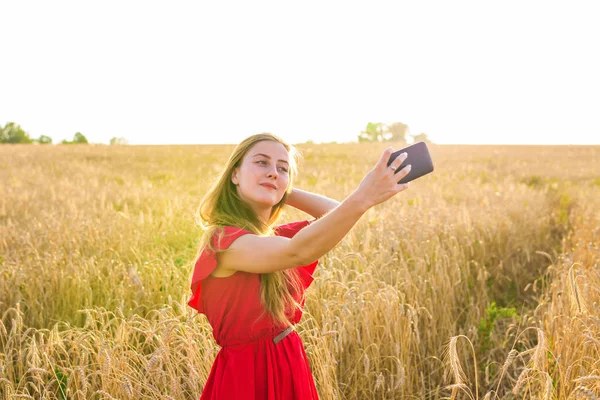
point(419, 159)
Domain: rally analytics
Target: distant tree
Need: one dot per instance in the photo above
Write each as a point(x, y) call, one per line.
point(421, 137)
point(44, 140)
point(79, 138)
point(13, 133)
point(372, 133)
point(396, 132)
point(118, 141)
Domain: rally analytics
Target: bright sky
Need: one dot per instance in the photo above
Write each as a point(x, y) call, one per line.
point(183, 72)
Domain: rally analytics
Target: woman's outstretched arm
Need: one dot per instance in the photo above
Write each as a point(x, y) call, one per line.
point(311, 203)
point(265, 254)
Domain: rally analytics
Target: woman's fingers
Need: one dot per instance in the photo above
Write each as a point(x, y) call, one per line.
point(397, 163)
point(400, 175)
point(403, 186)
point(382, 181)
point(382, 163)
point(404, 171)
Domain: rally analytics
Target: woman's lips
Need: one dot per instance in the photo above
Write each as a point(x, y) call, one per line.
point(268, 186)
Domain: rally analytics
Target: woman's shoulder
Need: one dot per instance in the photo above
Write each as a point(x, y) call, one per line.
point(286, 229)
point(225, 234)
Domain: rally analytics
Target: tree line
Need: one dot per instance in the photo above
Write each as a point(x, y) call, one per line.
point(374, 132)
point(394, 132)
point(13, 133)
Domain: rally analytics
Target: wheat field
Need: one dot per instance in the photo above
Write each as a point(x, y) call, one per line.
point(481, 281)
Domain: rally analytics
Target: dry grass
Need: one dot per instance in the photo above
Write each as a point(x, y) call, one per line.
point(97, 243)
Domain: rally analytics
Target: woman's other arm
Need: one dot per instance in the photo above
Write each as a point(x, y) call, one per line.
point(313, 204)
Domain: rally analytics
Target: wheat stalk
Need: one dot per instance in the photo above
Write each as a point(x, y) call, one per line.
point(539, 355)
point(587, 393)
point(127, 387)
point(520, 380)
point(104, 393)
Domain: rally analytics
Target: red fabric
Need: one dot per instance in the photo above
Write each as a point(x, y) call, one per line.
point(249, 365)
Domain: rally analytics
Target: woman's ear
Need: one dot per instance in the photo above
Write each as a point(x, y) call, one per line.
point(234, 178)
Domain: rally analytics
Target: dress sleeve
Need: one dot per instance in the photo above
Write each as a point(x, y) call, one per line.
point(207, 262)
point(289, 230)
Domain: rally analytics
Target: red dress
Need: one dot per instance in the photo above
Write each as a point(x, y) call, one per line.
point(249, 364)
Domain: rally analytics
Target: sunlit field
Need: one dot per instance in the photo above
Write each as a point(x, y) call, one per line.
point(482, 280)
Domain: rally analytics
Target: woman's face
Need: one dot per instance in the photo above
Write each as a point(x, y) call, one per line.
point(263, 176)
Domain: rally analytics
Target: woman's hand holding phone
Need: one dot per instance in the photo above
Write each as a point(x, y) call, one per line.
point(381, 182)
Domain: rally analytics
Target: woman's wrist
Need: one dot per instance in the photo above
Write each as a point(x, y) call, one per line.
point(358, 202)
point(291, 197)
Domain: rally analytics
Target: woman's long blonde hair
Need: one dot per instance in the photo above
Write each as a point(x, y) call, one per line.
point(221, 206)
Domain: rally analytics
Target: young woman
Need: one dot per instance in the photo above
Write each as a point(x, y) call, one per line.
point(251, 274)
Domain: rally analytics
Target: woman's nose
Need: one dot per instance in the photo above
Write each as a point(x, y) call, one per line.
point(273, 172)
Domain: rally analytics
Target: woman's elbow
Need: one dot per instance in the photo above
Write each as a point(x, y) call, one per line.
point(296, 258)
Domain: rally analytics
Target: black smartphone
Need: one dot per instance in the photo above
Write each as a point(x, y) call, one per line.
point(419, 159)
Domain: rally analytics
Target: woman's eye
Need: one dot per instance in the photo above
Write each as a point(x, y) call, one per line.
point(264, 162)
